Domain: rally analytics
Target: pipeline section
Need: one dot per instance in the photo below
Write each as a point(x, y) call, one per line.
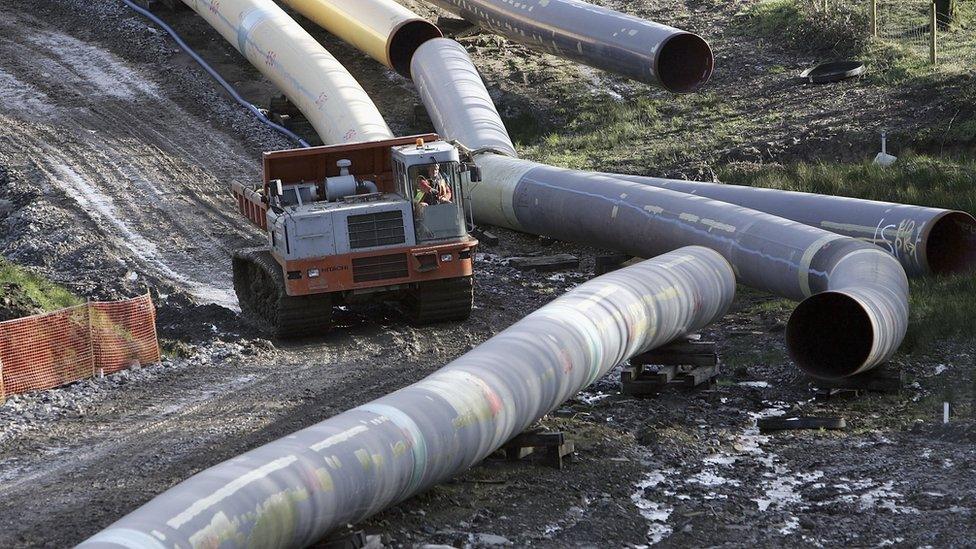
point(678, 61)
point(855, 309)
point(315, 82)
point(215, 75)
point(386, 31)
point(926, 241)
point(291, 492)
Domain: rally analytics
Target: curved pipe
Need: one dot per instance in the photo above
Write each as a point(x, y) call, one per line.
point(925, 241)
point(215, 75)
point(382, 29)
point(291, 492)
point(767, 252)
point(480, 127)
point(315, 82)
point(677, 60)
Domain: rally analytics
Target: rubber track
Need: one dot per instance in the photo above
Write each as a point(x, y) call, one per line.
point(441, 301)
point(261, 290)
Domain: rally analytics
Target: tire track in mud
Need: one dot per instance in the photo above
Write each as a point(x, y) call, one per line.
point(138, 165)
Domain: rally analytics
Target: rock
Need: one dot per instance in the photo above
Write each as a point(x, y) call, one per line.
point(490, 540)
point(6, 207)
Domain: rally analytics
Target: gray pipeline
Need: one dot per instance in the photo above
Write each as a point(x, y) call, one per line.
point(678, 61)
point(291, 492)
point(925, 241)
point(854, 312)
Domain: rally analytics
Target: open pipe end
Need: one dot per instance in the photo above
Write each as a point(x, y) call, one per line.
point(951, 244)
point(405, 41)
point(684, 63)
point(830, 335)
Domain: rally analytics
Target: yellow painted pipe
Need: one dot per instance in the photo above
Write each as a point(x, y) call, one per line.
point(383, 29)
point(312, 79)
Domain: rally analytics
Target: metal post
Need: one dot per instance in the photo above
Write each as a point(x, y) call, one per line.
point(874, 18)
point(933, 28)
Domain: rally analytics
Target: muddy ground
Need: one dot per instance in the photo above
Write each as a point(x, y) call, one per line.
point(118, 171)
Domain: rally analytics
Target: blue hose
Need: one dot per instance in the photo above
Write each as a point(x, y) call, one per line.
point(220, 80)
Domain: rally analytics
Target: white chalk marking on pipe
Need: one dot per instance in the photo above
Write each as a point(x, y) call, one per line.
point(228, 490)
point(338, 437)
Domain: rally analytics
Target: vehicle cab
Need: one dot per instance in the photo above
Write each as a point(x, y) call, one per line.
point(429, 175)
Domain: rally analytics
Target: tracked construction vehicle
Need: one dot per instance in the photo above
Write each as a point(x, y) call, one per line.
point(381, 220)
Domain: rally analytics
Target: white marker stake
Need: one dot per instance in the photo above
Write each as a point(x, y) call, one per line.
point(945, 412)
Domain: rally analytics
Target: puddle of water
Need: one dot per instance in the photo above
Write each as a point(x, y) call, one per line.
point(655, 513)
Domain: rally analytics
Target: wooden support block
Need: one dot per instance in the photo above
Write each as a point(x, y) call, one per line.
point(515, 453)
point(784, 424)
point(882, 379)
point(554, 444)
point(693, 353)
point(545, 263)
point(699, 375)
point(664, 374)
point(641, 387)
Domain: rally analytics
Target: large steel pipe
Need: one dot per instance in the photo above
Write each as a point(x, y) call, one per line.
point(291, 492)
point(383, 29)
point(925, 240)
point(677, 60)
point(329, 97)
point(857, 322)
point(859, 325)
point(458, 103)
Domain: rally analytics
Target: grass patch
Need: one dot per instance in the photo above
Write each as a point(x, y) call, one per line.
point(801, 25)
point(601, 131)
point(20, 286)
point(914, 179)
point(940, 307)
point(843, 30)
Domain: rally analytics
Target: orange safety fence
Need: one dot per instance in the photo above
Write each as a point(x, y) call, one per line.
point(48, 350)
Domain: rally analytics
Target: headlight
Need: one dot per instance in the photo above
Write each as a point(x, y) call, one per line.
point(313, 273)
point(446, 257)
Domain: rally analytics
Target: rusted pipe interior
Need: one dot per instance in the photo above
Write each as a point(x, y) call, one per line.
point(829, 335)
point(406, 40)
point(684, 63)
point(951, 244)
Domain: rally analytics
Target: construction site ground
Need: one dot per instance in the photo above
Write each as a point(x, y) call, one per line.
point(116, 157)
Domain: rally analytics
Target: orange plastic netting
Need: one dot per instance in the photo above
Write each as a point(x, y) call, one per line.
point(48, 350)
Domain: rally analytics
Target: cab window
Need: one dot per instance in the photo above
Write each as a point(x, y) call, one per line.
point(436, 201)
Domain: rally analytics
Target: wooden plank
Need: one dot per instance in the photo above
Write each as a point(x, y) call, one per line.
point(784, 424)
point(699, 375)
point(545, 263)
point(663, 375)
point(692, 353)
point(882, 379)
point(536, 439)
point(641, 387)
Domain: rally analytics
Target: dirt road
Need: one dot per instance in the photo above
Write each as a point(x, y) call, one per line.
point(117, 153)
